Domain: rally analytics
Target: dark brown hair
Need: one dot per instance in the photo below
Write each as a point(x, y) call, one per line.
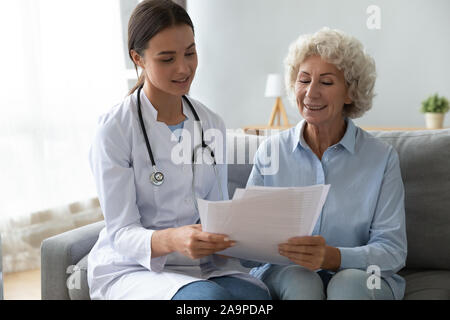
point(149, 18)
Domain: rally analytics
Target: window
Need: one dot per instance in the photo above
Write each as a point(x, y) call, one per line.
point(64, 67)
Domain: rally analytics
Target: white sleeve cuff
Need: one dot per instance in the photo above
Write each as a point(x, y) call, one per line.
point(154, 264)
point(144, 256)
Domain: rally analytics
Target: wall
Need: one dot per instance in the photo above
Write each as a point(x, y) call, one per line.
point(240, 41)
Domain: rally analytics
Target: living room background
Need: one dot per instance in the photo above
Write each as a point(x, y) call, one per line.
point(65, 63)
point(240, 42)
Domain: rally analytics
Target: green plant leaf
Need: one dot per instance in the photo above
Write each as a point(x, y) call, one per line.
point(435, 104)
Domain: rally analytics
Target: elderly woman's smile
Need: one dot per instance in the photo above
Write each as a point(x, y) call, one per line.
point(321, 92)
point(315, 107)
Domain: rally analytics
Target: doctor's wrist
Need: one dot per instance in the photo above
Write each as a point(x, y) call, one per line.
point(162, 243)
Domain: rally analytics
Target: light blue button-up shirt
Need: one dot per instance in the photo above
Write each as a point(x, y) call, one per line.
point(364, 214)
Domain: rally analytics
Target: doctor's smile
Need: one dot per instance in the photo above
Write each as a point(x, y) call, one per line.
point(183, 83)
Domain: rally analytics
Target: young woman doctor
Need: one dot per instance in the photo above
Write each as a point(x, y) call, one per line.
point(152, 246)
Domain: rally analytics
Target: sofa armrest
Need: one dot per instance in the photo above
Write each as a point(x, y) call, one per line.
point(1, 270)
point(60, 252)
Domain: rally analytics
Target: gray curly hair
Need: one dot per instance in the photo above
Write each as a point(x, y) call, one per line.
point(347, 54)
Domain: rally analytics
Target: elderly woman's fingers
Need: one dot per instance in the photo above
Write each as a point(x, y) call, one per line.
point(307, 240)
point(302, 260)
point(309, 250)
point(303, 255)
point(297, 255)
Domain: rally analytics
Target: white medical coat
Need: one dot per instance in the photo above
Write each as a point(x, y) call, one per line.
point(134, 208)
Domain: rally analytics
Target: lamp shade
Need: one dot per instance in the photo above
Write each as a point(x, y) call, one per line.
point(274, 85)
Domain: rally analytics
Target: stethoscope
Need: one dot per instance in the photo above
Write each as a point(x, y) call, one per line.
point(157, 177)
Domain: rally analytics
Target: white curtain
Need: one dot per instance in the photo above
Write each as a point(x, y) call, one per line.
point(62, 64)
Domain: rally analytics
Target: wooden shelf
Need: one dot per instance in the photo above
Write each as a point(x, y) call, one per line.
point(259, 128)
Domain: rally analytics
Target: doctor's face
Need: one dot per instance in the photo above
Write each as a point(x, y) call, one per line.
point(170, 61)
point(321, 92)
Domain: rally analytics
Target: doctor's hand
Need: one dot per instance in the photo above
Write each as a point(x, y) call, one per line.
point(194, 243)
point(311, 252)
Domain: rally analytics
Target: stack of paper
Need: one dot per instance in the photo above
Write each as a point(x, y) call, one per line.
point(261, 218)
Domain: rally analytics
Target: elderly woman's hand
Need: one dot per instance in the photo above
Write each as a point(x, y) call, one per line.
point(311, 252)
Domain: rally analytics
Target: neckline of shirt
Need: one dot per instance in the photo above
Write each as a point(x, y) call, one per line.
point(348, 140)
point(154, 112)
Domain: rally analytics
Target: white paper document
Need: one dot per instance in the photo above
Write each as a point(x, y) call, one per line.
point(260, 218)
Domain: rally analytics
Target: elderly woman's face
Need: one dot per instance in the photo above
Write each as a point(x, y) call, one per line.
point(320, 91)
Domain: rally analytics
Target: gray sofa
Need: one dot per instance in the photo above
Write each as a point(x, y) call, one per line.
point(425, 164)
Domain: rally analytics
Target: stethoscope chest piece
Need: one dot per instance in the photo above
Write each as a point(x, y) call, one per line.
point(157, 178)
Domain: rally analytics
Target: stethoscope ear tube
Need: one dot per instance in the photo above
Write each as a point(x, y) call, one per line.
point(144, 132)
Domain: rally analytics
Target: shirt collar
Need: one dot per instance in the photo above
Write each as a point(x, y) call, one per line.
point(148, 105)
point(348, 140)
point(298, 139)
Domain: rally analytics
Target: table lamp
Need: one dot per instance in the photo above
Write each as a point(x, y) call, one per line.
point(274, 89)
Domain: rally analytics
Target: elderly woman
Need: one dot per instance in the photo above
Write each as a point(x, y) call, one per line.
point(359, 241)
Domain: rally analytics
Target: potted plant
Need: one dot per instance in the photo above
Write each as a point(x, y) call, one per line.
point(435, 108)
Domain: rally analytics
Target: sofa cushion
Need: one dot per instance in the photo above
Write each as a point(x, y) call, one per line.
point(241, 150)
point(427, 285)
point(425, 166)
point(237, 177)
